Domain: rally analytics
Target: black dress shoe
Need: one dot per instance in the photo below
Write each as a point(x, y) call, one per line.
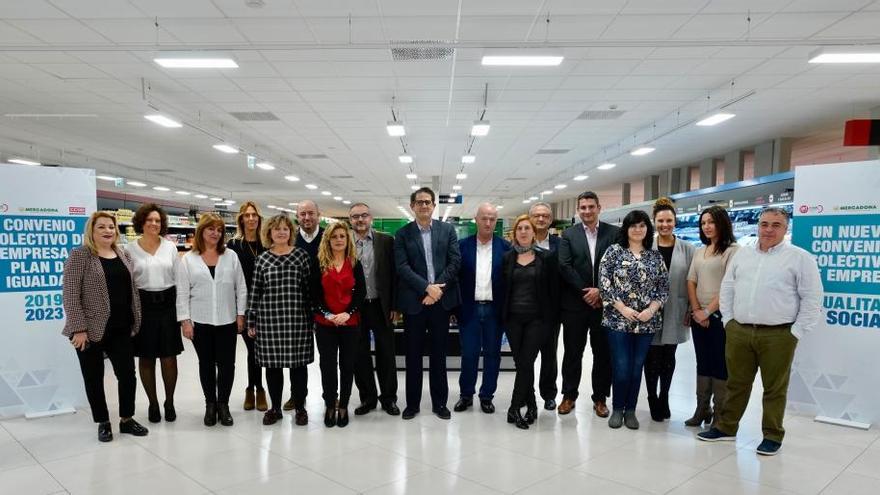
point(330, 417)
point(531, 413)
point(153, 415)
point(549, 404)
point(442, 412)
point(515, 417)
point(486, 406)
point(210, 414)
point(342, 417)
point(170, 413)
point(392, 409)
point(363, 409)
point(409, 413)
point(223, 414)
point(132, 427)
point(105, 432)
point(462, 404)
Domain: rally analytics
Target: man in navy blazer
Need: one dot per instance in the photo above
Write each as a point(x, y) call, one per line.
point(427, 259)
point(479, 321)
point(541, 214)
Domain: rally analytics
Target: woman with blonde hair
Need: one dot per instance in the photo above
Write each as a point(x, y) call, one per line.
point(211, 299)
point(280, 316)
point(338, 291)
point(103, 314)
point(531, 284)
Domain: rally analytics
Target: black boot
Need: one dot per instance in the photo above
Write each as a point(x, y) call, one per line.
point(516, 418)
point(210, 413)
point(531, 412)
point(652, 377)
point(666, 381)
point(223, 414)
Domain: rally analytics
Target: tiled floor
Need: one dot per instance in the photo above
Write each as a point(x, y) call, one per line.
point(474, 453)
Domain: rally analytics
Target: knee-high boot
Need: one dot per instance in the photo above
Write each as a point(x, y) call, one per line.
point(703, 411)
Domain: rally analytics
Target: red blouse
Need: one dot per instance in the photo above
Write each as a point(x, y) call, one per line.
point(338, 291)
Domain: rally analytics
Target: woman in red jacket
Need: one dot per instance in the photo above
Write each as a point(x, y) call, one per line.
point(338, 289)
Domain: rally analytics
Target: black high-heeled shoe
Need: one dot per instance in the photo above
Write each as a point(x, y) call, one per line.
point(210, 413)
point(515, 417)
point(170, 412)
point(531, 414)
point(342, 417)
point(223, 414)
point(153, 414)
point(330, 417)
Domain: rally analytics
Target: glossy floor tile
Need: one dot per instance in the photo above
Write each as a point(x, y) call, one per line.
point(473, 453)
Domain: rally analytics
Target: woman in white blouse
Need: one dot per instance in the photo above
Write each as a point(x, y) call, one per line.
point(155, 264)
point(211, 301)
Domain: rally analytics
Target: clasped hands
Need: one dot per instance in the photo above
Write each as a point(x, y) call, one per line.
point(635, 315)
point(434, 293)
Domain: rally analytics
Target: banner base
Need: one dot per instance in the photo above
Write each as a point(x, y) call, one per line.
point(842, 422)
point(47, 414)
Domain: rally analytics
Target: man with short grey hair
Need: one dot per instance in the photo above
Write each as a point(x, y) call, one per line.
point(770, 298)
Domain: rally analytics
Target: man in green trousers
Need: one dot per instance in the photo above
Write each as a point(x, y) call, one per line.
point(770, 298)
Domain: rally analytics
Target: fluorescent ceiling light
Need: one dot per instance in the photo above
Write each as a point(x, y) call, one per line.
point(230, 201)
point(265, 166)
point(226, 148)
point(346, 202)
point(326, 193)
point(182, 193)
point(412, 176)
point(845, 56)
point(461, 176)
point(108, 178)
point(716, 119)
point(216, 199)
point(292, 178)
point(395, 129)
point(456, 187)
point(641, 151)
point(272, 207)
point(453, 194)
point(161, 188)
point(311, 187)
point(405, 158)
point(337, 198)
point(560, 186)
point(163, 120)
point(202, 196)
point(22, 161)
point(499, 207)
point(480, 128)
point(467, 159)
point(527, 201)
point(195, 61)
point(134, 183)
point(606, 166)
point(293, 204)
point(533, 198)
point(523, 60)
point(548, 191)
point(581, 177)
point(414, 187)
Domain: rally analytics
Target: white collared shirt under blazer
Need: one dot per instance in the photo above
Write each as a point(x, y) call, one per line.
point(210, 300)
point(774, 287)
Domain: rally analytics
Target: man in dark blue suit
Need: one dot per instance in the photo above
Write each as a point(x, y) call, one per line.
point(427, 259)
point(479, 321)
point(541, 215)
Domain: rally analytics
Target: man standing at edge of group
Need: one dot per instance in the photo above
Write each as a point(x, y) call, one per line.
point(479, 322)
point(580, 251)
point(427, 259)
point(770, 298)
point(541, 215)
point(375, 251)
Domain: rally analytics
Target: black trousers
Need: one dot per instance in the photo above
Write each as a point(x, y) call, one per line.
point(254, 371)
point(709, 346)
point(299, 385)
point(215, 346)
point(526, 335)
point(374, 320)
point(549, 363)
point(118, 347)
point(576, 326)
point(434, 321)
point(338, 347)
point(659, 367)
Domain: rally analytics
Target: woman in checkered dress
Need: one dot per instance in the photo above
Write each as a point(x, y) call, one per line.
point(280, 316)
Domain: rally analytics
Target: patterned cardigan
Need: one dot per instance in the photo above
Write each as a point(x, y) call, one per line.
point(86, 300)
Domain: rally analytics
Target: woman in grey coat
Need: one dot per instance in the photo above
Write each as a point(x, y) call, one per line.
point(660, 363)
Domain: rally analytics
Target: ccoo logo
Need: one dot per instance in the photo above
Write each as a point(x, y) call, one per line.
point(807, 209)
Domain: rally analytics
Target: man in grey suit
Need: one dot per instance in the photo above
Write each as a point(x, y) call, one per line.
point(427, 257)
point(580, 251)
point(375, 251)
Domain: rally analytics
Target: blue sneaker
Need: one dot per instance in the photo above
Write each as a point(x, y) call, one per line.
point(769, 447)
point(715, 435)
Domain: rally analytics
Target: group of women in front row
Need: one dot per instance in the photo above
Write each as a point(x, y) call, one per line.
point(137, 301)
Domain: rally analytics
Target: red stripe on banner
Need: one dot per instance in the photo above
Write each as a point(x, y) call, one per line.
point(861, 133)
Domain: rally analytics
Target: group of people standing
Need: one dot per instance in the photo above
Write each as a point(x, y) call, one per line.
point(632, 294)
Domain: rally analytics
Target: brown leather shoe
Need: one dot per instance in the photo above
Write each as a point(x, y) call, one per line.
point(302, 417)
point(600, 408)
point(566, 406)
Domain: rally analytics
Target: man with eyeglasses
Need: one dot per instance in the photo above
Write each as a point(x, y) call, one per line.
point(427, 258)
point(375, 251)
point(541, 215)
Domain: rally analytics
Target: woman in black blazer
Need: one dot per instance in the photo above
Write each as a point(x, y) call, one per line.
point(531, 285)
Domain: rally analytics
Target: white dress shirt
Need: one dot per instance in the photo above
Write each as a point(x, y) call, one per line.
point(210, 300)
point(154, 272)
point(592, 240)
point(309, 237)
point(773, 287)
point(545, 244)
point(483, 286)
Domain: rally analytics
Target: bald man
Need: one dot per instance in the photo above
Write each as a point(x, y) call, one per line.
point(308, 216)
point(479, 320)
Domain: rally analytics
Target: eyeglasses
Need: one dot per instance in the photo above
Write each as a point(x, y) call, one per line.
point(423, 202)
point(361, 216)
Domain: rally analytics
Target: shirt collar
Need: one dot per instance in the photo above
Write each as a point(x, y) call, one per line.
point(368, 237)
point(424, 229)
point(592, 231)
point(778, 247)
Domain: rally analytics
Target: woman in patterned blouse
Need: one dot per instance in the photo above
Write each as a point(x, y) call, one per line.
point(634, 285)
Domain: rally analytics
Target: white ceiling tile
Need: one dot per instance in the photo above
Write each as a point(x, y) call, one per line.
point(505, 28)
point(305, 69)
point(405, 28)
point(11, 35)
point(605, 67)
point(627, 27)
point(338, 29)
point(665, 7)
point(795, 25)
point(225, 96)
point(364, 69)
point(753, 52)
point(275, 96)
point(731, 67)
point(71, 71)
point(287, 29)
point(31, 9)
point(169, 9)
point(644, 82)
point(102, 9)
point(422, 82)
point(59, 31)
point(698, 82)
point(623, 52)
point(107, 57)
point(825, 6)
point(571, 27)
point(713, 26)
point(248, 69)
point(742, 7)
point(261, 83)
point(208, 84)
point(326, 8)
point(665, 66)
point(423, 68)
point(589, 82)
point(533, 83)
point(130, 30)
point(782, 66)
point(685, 52)
point(203, 30)
point(861, 25)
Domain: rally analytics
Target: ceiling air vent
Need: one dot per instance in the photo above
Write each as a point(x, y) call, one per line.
point(601, 115)
point(552, 151)
point(254, 116)
point(342, 177)
point(361, 190)
point(422, 50)
point(320, 156)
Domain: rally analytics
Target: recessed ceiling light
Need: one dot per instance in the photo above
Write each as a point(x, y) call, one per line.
point(414, 187)
point(523, 60)
point(311, 186)
point(346, 202)
point(467, 159)
point(202, 196)
point(461, 176)
point(606, 166)
point(641, 151)
point(134, 183)
point(716, 119)
point(230, 201)
point(216, 199)
point(480, 128)
point(265, 166)
point(533, 198)
point(581, 177)
point(293, 204)
point(405, 158)
point(271, 207)
point(163, 120)
point(412, 176)
point(337, 198)
point(292, 178)
point(499, 207)
point(548, 191)
point(182, 193)
point(161, 188)
point(456, 187)
point(22, 161)
point(108, 178)
point(194, 60)
point(847, 55)
point(395, 129)
point(226, 148)
point(560, 186)
point(527, 201)
point(326, 193)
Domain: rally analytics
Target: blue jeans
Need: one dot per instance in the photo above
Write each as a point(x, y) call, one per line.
point(628, 352)
point(483, 331)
